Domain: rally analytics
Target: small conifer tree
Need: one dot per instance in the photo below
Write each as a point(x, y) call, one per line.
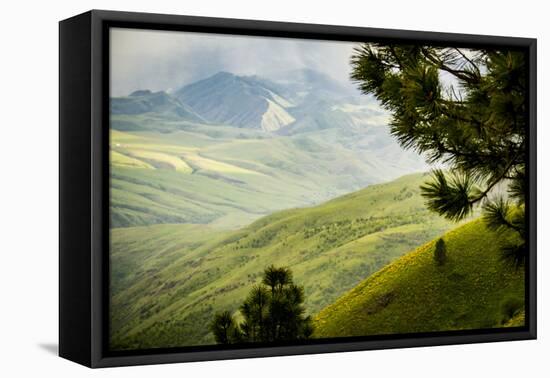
point(440, 253)
point(273, 311)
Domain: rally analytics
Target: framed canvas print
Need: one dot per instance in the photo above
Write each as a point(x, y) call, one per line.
point(234, 188)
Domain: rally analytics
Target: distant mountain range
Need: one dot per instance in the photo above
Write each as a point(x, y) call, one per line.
point(301, 100)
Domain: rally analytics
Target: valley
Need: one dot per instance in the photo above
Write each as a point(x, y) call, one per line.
point(169, 280)
point(243, 148)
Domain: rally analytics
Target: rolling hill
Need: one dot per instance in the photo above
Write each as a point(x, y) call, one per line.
point(474, 289)
point(169, 280)
point(228, 177)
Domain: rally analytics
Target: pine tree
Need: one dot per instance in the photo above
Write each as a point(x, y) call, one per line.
point(474, 122)
point(224, 328)
point(273, 311)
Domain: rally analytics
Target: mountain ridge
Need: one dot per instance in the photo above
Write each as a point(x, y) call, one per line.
point(283, 105)
point(146, 101)
point(237, 101)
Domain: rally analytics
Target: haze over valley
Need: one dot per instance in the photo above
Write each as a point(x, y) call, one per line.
point(228, 149)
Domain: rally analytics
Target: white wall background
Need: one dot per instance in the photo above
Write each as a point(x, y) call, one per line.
point(29, 189)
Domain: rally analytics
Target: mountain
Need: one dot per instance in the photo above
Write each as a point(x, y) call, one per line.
point(169, 280)
point(474, 289)
point(237, 101)
point(145, 101)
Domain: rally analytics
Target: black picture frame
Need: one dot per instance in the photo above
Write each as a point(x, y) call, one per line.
point(84, 187)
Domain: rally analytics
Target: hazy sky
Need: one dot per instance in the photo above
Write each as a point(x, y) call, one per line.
point(166, 60)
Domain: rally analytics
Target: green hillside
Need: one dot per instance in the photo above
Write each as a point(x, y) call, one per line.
point(175, 171)
point(169, 280)
point(474, 289)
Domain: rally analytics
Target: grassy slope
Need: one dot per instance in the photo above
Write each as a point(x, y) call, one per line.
point(473, 290)
point(179, 172)
point(170, 279)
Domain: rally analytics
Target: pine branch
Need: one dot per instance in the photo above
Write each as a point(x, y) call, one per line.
point(466, 76)
point(396, 57)
point(469, 61)
point(494, 182)
point(496, 214)
point(452, 199)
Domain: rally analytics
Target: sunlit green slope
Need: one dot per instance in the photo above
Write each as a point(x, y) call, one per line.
point(169, 280)
point(473, 289)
